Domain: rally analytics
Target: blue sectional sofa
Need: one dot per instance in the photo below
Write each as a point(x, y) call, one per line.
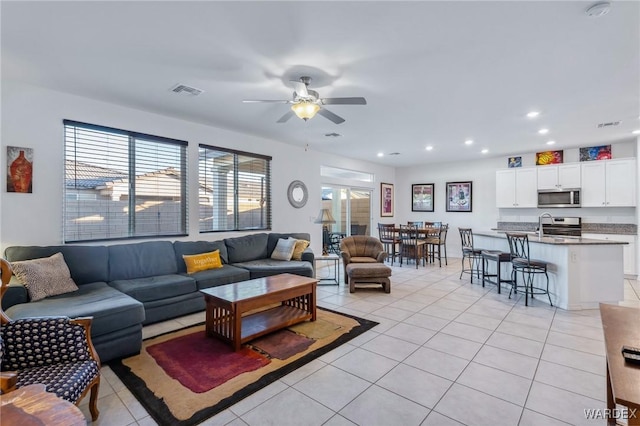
point(126, 286)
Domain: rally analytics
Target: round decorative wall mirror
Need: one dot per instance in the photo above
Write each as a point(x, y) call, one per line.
point(297, 194)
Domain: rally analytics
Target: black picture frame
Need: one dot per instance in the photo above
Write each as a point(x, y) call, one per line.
point(459, 196)
point(422, 197)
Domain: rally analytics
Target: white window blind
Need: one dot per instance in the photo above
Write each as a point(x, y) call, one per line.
point(122, 184)
point(235, 190)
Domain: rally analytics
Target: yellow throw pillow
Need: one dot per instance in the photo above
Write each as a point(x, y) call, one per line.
point(202, 262)
point(301, 246)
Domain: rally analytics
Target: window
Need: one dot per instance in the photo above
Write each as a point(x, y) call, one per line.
point(235, 190)
point(122, 184)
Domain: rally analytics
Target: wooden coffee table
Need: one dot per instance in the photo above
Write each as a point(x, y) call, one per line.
point(239, 312)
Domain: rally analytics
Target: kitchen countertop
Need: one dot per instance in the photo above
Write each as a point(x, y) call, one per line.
point(549, 239)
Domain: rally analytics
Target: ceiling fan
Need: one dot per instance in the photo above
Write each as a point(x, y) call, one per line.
point(306, 103)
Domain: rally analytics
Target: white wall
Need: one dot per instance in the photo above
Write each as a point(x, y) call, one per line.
point(32, 117)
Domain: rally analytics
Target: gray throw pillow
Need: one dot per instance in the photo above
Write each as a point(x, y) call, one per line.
point(45, 277)
point(284, 249)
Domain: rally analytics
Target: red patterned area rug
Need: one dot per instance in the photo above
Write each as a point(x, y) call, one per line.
point(184, 377)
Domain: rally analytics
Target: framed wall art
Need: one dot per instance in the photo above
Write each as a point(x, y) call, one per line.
point(514, 162)
point(386, 199)
point(459, 196)
point(422, 197)
point(602, 152)
point(549, 157)
point(19, 169)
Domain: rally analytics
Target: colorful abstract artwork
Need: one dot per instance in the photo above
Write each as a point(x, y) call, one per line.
point(549, 157)
point(514, 162)
point(602, 152)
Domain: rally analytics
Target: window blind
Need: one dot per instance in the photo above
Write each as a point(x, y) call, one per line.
point(122, 184)
point(235, 190)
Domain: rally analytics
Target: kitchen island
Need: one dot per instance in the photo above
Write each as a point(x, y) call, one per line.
point(582, 272)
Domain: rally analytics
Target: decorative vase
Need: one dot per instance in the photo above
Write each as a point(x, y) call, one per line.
point(21, 171)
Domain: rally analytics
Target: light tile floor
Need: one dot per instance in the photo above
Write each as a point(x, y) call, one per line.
point(446, 352)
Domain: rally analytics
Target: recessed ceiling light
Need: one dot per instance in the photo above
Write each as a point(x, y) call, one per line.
point(468, 142)
point(636, 132)
point(551, 142)
point(380, 154)
point(429, 148)
point(484, 151)
point(533, 114)
point(543, 131)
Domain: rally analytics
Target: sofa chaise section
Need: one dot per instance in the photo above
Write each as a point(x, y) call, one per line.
point(116, 329)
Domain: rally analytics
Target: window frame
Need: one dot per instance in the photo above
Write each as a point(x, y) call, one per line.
point(132, 137)
point(236, 181)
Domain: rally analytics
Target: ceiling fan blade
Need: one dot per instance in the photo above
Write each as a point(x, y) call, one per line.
point(285, 117)
point(344, 101)
point(300, 88)
point(248, 101)
point(331, 116)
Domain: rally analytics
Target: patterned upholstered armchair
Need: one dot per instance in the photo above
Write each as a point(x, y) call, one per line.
point(361, 249)
point(54, 351)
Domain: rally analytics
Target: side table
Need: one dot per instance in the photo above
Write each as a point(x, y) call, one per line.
point(33, 405)
point(329, 278)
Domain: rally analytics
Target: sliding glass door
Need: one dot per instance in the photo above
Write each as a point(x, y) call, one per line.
point(350, 207)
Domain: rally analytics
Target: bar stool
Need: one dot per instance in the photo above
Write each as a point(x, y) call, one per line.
point(499, 257)
point(529, 268)
point(470, 253)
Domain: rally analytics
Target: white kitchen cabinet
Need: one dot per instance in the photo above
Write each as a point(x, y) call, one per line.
point(609, 183)
point(565, 176)
point(628, 250)
point(516, 188)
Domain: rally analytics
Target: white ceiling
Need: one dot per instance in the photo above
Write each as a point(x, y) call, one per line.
point(433, 73)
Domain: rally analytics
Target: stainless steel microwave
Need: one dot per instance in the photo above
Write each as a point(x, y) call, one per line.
point(559, 198)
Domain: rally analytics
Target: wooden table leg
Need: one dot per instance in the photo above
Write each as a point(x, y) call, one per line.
point(208, 317)
point(611, 405)
point(236, 318)
point(312, 303)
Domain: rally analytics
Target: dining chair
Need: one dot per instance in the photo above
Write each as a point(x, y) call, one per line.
point(389, 238)
point(419, 224)
point(411, 247)
point(436, 243)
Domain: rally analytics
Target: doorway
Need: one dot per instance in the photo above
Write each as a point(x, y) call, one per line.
point(350, 207)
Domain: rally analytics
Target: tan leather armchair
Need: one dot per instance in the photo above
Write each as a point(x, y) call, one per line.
point(361, 249)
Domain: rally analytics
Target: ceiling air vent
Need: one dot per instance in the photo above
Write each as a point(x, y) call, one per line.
point(394, 153)
point(187, 90)
point(613, 123)
point(332, 135)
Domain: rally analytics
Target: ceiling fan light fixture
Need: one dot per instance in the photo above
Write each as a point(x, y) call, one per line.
point(305, 110)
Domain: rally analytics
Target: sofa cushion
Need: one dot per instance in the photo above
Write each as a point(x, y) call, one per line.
point(214, 277)
point(284, 249)
point(275, 236)
point(87, 264)
point(111, 310)
point(44, 277)
point(301, 246)
point(267, 267)
point(202, 262)
point(156, 288)
point(248, 247)
point(194, 247)
point(129, 261)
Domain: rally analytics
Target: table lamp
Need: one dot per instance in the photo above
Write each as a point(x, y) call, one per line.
point(325, 218)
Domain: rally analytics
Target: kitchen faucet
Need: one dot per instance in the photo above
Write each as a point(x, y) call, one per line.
point(540, 231)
